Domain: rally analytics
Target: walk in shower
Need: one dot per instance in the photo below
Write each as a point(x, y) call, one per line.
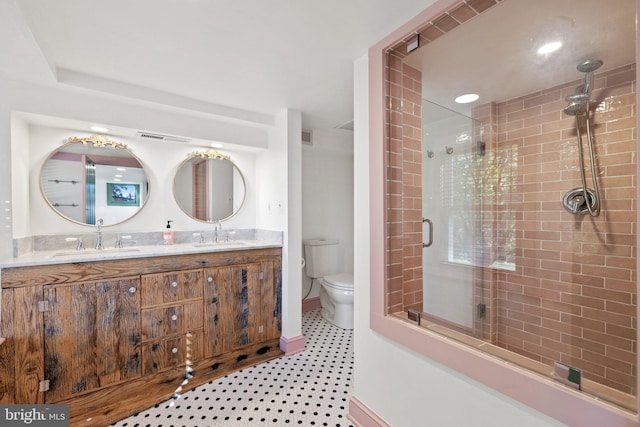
point(511, 220)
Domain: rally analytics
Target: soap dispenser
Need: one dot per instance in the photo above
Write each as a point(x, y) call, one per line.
point(167, 235)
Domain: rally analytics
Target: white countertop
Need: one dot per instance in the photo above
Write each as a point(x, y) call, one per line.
point(65, 256)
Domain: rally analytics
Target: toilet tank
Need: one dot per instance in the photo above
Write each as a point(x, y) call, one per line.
point(321, 257)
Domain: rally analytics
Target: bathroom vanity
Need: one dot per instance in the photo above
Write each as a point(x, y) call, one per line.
point(116, 335)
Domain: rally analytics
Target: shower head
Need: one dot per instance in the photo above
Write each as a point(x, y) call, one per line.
point(578, 103)
point(589, 65)
point(578, 97)
point(575, 108)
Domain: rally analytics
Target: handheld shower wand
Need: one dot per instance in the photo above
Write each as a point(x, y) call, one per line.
point(584, 200)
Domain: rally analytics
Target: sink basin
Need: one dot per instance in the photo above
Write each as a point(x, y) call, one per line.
point(94, 252)
point(235, 244)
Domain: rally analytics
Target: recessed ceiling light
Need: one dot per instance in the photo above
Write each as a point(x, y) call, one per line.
point(217, 145)
point(121, 169)
point(99, 129)
point(116, 179)
point(118, 176)
point(549, 47)
point(467, 98)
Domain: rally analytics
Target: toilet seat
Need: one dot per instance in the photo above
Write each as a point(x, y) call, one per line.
point(342, 281)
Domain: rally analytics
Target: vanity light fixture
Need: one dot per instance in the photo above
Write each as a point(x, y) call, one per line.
point(467, 98)
point(212, 154)
point(99, 141)
point(549, 47)
point(99, 129)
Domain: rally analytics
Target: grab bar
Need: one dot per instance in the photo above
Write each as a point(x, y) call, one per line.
point(428, 221)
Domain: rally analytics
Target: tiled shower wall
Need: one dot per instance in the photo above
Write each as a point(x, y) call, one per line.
point(404, 195)
point(572, 296)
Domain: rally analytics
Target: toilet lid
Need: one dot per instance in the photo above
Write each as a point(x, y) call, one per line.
point(340, 281)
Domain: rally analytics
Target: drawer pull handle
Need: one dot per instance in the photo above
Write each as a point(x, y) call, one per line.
point(174, 317)
point(174, 350)
point(210, 279)
point(132, 290)
point(174, 284)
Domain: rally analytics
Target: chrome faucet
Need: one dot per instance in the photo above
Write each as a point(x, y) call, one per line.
point(99, 245)
point(215, 231)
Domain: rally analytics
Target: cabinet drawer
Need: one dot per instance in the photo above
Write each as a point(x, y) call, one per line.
point(171, 287)
point(171, 352)
point(170, 320)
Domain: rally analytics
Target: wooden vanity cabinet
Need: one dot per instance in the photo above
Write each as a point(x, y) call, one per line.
point(113, 338)
point(68, 339)
point(240, 306)
point(91, 336)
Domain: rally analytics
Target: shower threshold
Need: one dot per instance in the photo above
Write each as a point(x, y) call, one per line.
point(622, 400)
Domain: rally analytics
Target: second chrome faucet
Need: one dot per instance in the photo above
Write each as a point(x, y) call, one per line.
point(99, 245)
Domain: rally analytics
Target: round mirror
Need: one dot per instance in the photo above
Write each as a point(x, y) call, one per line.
point(208, 186)
point(94, 178)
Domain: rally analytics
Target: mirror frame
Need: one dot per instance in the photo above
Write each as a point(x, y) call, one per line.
point(209, 155)
point(98, 141)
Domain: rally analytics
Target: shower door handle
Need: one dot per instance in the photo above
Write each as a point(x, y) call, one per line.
point(430, 242)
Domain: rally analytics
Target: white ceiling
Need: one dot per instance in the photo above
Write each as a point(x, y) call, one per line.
point(240, 58)
point(494, 54)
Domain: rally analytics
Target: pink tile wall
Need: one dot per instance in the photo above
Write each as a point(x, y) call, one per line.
point(404, 195)
point(572, 296)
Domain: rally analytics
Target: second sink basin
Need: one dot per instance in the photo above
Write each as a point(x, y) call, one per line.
point(234, 244)
point(95, 252)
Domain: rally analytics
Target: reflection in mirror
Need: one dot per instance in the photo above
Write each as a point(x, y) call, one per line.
point(94, 178)
point(208, 186)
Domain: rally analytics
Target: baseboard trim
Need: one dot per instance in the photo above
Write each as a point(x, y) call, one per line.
point(361, 416)
point(310, 304)
point(292, 345)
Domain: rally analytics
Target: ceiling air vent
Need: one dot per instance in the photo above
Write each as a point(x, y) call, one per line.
point(160, 137)
point(307, 136)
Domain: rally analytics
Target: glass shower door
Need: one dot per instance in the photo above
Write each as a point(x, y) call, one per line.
point(449, 211)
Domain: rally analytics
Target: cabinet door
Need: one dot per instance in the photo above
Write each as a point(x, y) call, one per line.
point(21, 355)
point(271, 299)
point(163, 288)
point(232, 307)
point(92, 336)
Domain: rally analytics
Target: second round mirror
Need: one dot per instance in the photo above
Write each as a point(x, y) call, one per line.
point(209, 187)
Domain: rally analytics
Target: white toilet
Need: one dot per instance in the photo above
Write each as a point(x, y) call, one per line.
point(336, 292)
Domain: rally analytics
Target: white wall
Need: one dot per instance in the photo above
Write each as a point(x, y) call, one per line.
point(327, 196)
point(279, 208)
point(422, 392)
point(19, 190)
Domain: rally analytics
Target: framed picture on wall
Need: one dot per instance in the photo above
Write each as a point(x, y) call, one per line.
point(123, 194)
